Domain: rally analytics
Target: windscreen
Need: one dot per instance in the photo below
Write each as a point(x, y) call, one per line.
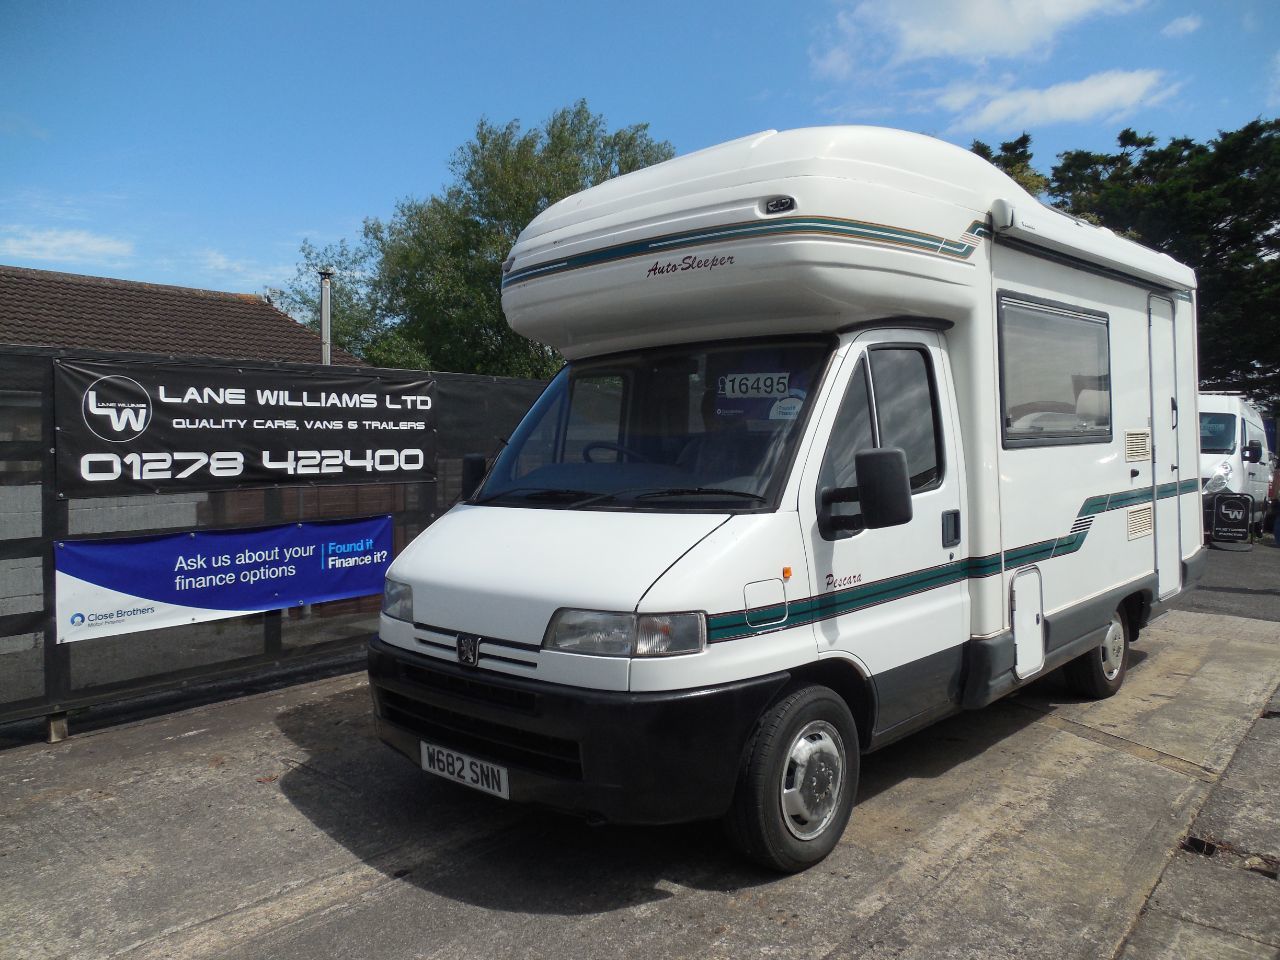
point(687, 428)
point(1217, 433)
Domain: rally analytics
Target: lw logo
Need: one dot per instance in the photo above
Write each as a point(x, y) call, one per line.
point(77, 619)
point(117, 409)
point(1232, 511)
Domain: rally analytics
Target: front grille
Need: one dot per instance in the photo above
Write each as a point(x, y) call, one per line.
point(471, 689)
point(493, 741)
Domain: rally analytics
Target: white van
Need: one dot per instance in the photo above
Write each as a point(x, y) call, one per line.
point(1234, 454)
point(854, 434)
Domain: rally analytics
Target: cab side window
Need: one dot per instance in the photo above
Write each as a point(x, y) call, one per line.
point(906, 407)
point(895, 404)
point(850, 434)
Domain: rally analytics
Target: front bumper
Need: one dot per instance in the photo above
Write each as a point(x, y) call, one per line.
point(648, 758)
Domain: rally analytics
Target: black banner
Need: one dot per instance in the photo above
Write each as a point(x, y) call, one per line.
point(126, 428)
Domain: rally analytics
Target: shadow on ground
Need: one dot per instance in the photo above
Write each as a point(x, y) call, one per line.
point(482, 851)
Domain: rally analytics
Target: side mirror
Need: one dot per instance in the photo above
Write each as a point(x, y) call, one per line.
point(473, 469)
point(1252, 452)
point(884, 487)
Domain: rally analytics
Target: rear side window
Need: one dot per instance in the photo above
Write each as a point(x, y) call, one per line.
point(894, 405)
point(1055, 374)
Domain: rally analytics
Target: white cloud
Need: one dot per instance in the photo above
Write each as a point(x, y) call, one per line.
point(243, 271)
point(835, 64)
point(61, 246)
point(1182, 26)
point(974, 30)
point(1108, 96)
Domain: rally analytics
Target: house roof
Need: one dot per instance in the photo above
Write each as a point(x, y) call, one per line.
point(42, 308)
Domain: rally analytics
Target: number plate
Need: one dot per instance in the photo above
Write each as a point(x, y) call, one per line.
point(465, 770)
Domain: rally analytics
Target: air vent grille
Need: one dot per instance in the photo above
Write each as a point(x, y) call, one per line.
point(1141, 522)
point(1137, 445)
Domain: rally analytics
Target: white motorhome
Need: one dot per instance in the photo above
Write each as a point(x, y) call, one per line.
point(854, 434)
point(1234, 454)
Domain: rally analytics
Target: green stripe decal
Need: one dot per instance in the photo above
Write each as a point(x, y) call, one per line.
point(830, 227)
point(733, 625)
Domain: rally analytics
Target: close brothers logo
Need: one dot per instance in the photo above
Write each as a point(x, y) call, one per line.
point(77, 619)
point(117, 409)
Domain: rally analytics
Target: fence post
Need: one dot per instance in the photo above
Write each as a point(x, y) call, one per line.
point(54, 526)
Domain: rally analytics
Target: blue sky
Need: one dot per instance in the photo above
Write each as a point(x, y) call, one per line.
point(199, 144)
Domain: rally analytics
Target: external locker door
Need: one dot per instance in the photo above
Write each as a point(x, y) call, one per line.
point(1026, 613)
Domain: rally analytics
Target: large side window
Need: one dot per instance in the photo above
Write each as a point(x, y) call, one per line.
point(895, 406)
point(1055, 374)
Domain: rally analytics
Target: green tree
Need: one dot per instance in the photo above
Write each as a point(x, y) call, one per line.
point(352, 311)
point(1214, 206)
point(1014, 158)
point(439, 261)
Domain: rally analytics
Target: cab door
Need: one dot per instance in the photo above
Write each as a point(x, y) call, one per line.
point(895, 598)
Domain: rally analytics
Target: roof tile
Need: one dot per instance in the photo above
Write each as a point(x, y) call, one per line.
point(67, 310)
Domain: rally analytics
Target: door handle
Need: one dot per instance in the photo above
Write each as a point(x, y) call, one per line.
point(951, 528)
point(1173, 408)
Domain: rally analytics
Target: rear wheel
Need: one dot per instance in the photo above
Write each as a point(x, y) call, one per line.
point(797, 784)
point(1099, 673)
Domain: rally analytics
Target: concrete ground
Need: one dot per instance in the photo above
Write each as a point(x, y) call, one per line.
point(275, 825)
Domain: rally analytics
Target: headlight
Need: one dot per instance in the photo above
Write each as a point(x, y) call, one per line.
point(1221, 477)
point(397, 600)
point(626, 634)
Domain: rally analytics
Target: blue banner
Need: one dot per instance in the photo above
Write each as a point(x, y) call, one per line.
point(107, 587)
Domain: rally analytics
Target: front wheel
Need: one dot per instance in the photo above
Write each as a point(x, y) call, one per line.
point(1099, 673)
point(797, 784)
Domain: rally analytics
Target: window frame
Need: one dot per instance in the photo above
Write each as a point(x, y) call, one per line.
point(1066, 311)
point(873, 413)
point(939, 441)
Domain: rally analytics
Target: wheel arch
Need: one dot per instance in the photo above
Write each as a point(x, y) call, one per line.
point(846, 678)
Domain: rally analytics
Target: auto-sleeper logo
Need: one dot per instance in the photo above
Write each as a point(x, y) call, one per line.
point(117, 409)
point(77, 619)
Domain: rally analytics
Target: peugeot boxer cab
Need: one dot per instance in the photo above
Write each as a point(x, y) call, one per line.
point(1235, 456)
point(853, 434)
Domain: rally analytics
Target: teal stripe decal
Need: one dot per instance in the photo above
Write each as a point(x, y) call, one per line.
point(733, 625)
point(831, 227)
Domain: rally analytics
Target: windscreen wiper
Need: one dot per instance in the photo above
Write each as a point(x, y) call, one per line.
point(699, 492)
point(540, 493)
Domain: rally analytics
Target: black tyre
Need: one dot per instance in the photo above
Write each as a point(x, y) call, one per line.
point(1100, 672)
point(798, 781)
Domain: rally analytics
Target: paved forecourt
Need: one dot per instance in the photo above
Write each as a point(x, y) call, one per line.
point(276, 825)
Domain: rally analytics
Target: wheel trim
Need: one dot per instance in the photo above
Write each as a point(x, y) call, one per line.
point(812, 780)
point(1113, 649)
